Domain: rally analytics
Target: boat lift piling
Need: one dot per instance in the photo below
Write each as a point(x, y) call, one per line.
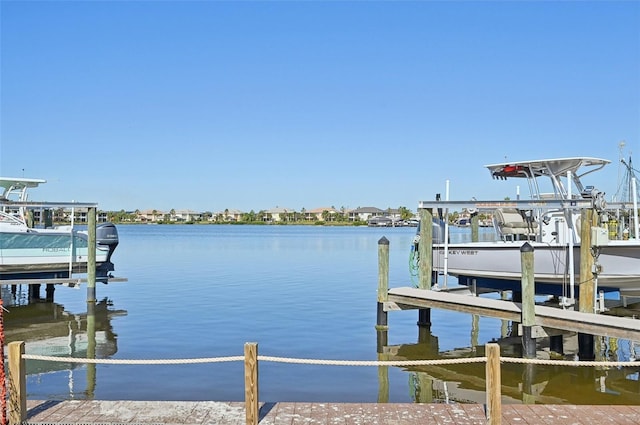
point(91, 258)
point(587, 297)
point(383, 292)
point(425, 264)
point(528, 319)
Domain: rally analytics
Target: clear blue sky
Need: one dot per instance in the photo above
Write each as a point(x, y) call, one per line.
point(208, 105)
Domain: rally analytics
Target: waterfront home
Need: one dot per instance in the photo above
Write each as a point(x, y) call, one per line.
point(365, 213)
point(279, 214)
point(321, 214)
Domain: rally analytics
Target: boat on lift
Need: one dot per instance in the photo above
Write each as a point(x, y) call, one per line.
point(28, 251)
point(554, 233)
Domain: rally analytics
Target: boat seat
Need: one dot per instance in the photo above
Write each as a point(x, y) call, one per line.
point(513, 225)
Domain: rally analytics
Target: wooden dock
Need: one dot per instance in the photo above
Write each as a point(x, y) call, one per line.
point(232, 413)
point(551, 317)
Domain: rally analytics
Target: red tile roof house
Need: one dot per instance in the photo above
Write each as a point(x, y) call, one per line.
point(318, 214)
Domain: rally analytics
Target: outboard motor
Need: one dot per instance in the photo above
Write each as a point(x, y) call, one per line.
point(107, 234)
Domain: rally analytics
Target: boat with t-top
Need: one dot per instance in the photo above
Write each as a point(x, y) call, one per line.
point(550, 221)
point(33, 251)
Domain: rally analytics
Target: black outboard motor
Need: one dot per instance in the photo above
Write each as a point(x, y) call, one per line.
point(107, 234)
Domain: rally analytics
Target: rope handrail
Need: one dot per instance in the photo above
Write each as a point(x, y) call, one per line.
point(434, 362)
point(133, 361)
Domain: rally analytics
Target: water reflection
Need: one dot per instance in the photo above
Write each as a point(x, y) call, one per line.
point(48, 329)
point(521, 383)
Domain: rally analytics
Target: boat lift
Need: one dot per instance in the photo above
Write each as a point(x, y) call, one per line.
point(538, 205)
point(22, 205)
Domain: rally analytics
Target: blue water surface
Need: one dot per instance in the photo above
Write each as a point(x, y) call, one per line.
point(198, 291)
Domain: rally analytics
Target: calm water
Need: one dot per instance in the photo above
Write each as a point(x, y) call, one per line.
point(298, 291)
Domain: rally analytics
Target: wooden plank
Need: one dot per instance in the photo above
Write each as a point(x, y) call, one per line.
point(557, 318)
point(283, 413)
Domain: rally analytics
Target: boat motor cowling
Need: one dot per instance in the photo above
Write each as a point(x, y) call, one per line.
point(107, 234)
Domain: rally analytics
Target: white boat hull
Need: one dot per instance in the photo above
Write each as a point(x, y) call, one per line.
point(619, 260)
point(46, 252)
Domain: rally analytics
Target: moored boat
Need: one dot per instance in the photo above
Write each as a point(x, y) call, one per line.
point(30, 251)
point(554, 233)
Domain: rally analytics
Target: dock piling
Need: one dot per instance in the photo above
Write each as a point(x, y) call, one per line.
point(425, 263)
point(17, 384)
point(587, 282)
point(493, 384)
point(425, 249)
point(91, 258)
point(383, 282)
point(251, 383)
point(528, 319)
point(383, 293)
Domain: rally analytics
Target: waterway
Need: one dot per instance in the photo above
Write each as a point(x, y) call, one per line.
point(198, 291)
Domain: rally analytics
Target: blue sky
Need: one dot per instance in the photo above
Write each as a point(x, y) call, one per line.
point(210, 105)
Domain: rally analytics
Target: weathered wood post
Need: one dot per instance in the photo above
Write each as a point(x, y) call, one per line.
point(383, 293)
point(425, 263)
point(251, 383)
point(587, 289)
point(475, 224)
point(528, 306)
point(91, 257)
point(587, 284)
point(425, 249)
point(17, 384)
point(383, 282)
point(493, 384)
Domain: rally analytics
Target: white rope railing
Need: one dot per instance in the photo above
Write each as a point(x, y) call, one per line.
point(434, 362)
point(133, 361)
point(492, 361)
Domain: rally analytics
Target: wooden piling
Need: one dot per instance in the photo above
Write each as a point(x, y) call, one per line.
point(425, 249)
point(251, 383)
point(587, 284)
point(383, 282)
point(425, 263)
point(493, 384)
point(17, 384)
point(528, 309)
point(475, 224)
point(91, 258)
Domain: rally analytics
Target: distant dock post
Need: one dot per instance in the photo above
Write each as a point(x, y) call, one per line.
point(91, 258)
point(528, 312)
point(475, 224)
point(425, 263)
point(383, 292)
point(587, 284)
